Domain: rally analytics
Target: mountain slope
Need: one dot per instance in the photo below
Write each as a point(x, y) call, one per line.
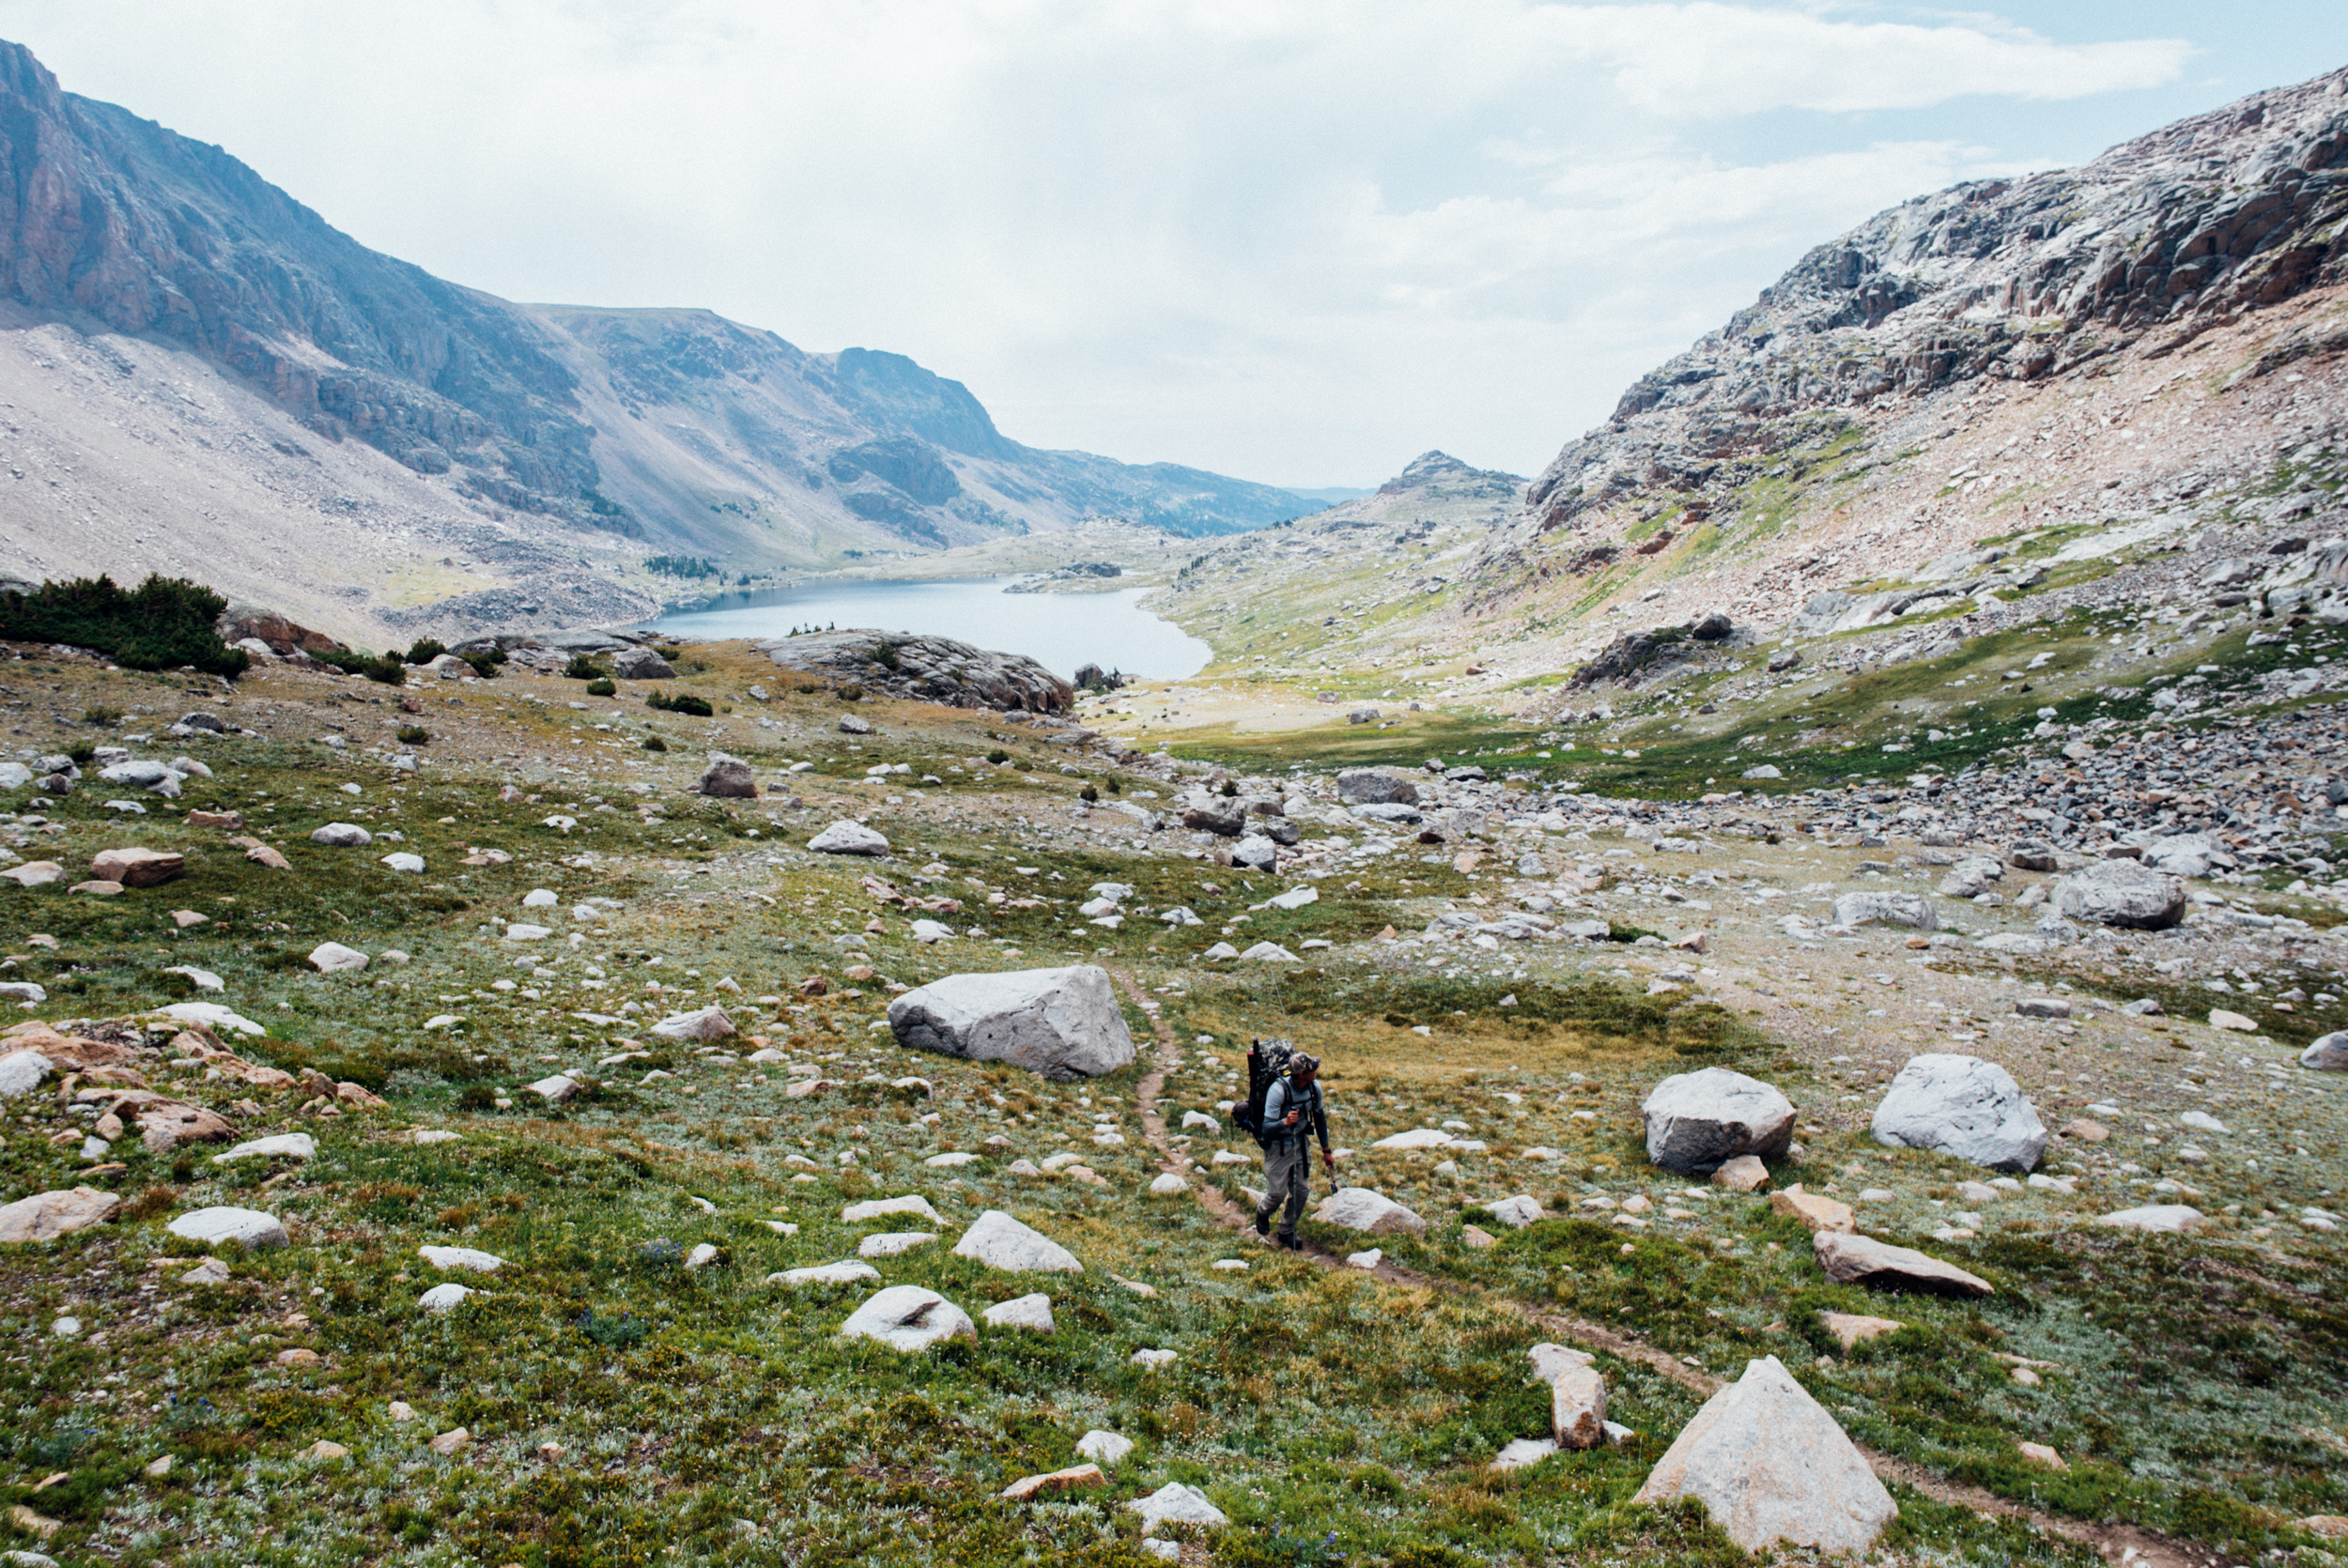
point(494, 429)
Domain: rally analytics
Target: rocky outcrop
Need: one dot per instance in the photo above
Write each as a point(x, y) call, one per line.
point(2001, 279)
point(925, 668)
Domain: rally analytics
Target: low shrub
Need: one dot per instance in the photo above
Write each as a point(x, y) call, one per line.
point(683, 703)
point(161, 625)
point(602, 688)
point(425, 650)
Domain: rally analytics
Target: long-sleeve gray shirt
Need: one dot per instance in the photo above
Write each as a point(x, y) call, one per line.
point(1283, 1097)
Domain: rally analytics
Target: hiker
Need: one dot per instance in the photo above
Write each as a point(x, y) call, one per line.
point(1292, 1113)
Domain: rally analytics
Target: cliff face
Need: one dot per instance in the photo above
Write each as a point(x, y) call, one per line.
point(2144, 250)
point(650, 430)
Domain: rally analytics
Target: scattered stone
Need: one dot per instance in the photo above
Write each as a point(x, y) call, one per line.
point(2160, 1217)
point(1744, 1173)
point(34, 873)
point(1068, 1479)
point(137, 868)
point(1913, 910)
point(1168, 1186)
point(1698, 1121)
point(1963, 1106)
point(889, 1243)
point(469, 1259)
point(1369, 1259)
point(1103, 1448)
point(1770, 1464)
point(1472, 1236)
point(1863, 1260)
point(730, 778)
point(877, 1208)
point(1268, 952)
point(826, 1273)
point(1518, 1212)
point(1815, 1211)
point(556, 1089)
point(1577, 1396)
point(1851, 1328)
point(907, 1317)
point(1359, 1209)
point(849, 837)
point(2328, 1054)
point(22, 1073)
point(333, 957)
point(641, 664)
point(445, 1297)
point(45, 1216)
point(449, 1442)
point(322, 1451)
point(1023, 1312)
point(2041, 1456)
point(999, 1241)
point(248, 1227)
point(1059, 1022)
point(2121, 893)
point(284, 1146)
point(707, 1024)
point(2221, 1018)
point(343, 835)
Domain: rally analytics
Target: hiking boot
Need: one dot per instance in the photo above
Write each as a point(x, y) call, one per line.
point(1263, 1225)
point(1292, 1244)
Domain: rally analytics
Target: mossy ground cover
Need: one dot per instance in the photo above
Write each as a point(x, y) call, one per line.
point(703, 1414)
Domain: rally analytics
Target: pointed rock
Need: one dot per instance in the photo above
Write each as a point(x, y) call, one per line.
point(1770, 1464)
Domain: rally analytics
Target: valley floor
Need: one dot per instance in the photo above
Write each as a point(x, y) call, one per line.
point(633, 1383)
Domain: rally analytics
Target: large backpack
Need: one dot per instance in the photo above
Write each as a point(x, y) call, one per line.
point(1267, 1063)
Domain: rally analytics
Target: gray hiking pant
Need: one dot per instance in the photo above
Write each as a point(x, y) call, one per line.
point(1288, 1171)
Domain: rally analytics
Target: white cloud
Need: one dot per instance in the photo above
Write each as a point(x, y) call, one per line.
point(1295, 240)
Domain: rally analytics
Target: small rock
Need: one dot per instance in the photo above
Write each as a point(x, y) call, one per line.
point(246, 1226)
point(1023, 1312)
point(2221, 1018)
point(2166, 1217)
point(343, 835)
point(1878, 1265)
point(1698, 1121)
point(1373, 1257)
point(1518, 1212)
point(1744, 1173)
point(444, 1298)
point(322, 1451)
point(467, 1259)
point(1911, 910)
point(1175, 1503)
point(878, 1208)
point(449, 1442)
point(730, 778)
point(1103, 1448)
point(1476, 1237)
point(1360, 1208)
point(1855, 1328)
point(706, 1023)
point(1056, 1480)
point(826, 1273)
point(849, 837)
point(284, 1146)
point(333, 957)
point(1815, 1211)
point(2041, 1455)
point(889, 1243)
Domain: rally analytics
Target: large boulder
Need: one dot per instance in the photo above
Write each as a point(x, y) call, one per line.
point(907, 1317)
point(2326, 1053)
point(1964, 1106)
point(726, 778)
point(1971, 877)
point(1577, 1395)
point(2121, 893)
point(23, 1072)
point(1375, 787)
point(1770, 1464)
point(999, 1241)
point(137, 868)
point(1696, 1122)
point(641, 664)
point(1863, 1260)
point(1061, 1023)
point(1363, 1210)
point(342, 836)
point(704, 1023)
point(45, 1216)
point(1913, 910)
point(847, 837)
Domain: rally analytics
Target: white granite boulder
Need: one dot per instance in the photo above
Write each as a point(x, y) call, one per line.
point(1696, 1122)
point(342, 836)
point(1518, 1212)
point(1032, 1313)
point(908, 1317)
point(471, 1260)
point(1913, 910)
point(2121, 893)
point(847, 837)
point(1175, 1503)
point(1963, 1106)
point(849, 1272)
point(22, 1071)
point(2325, 1053)
point(283, 1145)
point(704, 1023)
point(247, 1227)
point(1359, 1209)
point(45, 1216)
point(1770, 1464)
point(999, 1241)
point(2159, 1219)
point(333, 957)
point(1059, 1022)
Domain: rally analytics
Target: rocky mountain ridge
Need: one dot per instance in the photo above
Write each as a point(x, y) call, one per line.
point(532, 453)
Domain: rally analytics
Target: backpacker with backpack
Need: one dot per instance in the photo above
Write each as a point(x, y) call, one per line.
point(1267, 1063)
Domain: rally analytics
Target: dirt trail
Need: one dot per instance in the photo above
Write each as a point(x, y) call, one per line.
point(2117, 1543)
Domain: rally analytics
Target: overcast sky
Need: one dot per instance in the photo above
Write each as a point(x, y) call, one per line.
point(1296, 240)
